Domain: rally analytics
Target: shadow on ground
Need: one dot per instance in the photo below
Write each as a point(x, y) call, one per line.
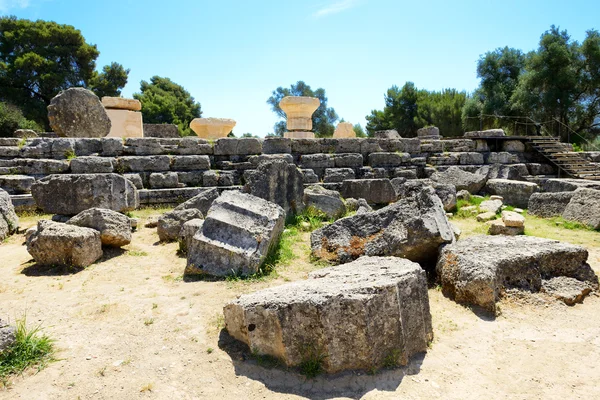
point(50, 270)
point(351, 384)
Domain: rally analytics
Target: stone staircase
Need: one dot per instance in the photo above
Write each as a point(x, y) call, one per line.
point(567, 161)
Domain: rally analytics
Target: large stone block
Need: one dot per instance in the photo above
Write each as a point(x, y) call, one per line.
point(72, 194)
point(462, 180)
point(114, 227)
point(234, 146)
point(190, 163)
point(413, 228)
point(333, 175)
point(514, 193)
point(9, 222)
point(362, 315)
point(16, 184)
point(56, 243)
point(236, 237)
point(163, 180)
point(486, 133)
point(277, 145)
point(125, 124)
point(317, 161)
point(548, 205)
point(170, 223)
point(350, 160)
point(374, 191)
point(78, 112)
point(278, 182)
point(161, 130)
point(329, 202)
point(143, 164)
point(584, 207)
point(476, 270)
point(202, 201)
point(119, 103)
point(92, 165)
point(388, 160)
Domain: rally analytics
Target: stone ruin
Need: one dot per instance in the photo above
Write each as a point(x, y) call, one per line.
point(233, 197)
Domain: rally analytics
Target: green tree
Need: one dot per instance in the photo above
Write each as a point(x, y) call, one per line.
point(323, 119)
point(11, 119)
point(562, 83)
point(110, 81)
point(499, 71)
point(359, 131)
point(38, 59)
point(408, 109)
point(166, 102)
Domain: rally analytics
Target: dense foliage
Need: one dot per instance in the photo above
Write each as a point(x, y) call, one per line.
point(556, 86)
point(323, 119)
point(166, 102)
point(11, 119)
point(38, 59)
point(407, 109)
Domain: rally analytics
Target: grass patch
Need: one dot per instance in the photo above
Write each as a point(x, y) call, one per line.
point(137, 253)
point(392, 360)
point(312, 362)
point(31, 349)
point(308, 220)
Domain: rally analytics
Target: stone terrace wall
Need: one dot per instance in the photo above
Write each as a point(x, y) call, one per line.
point(172, 170)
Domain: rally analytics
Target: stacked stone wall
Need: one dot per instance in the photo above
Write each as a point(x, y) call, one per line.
point(169, 170)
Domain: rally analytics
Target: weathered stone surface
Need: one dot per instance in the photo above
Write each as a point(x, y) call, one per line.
point(188, 230)
point(119, 103)
point(78, 113)
point(498, 227)
point(463, 195)
point(502, 158)
point(278, 182)
point(344, 130)
point(92, 165)
point(513, 219)
point(143, 164)
point(446, 192)
point(299, 111)
point(389, 134)
point(374, 191)
point(548, 204)
point(500, 171)
point(114, 227)
point(161, 131)
point(317, 161)
point(388, 160)
point(476, 270)
point(8, 335)
point(513, 145)
point(212, 128)
point(16, 184)
point(309, 176)
point(413, 228)
point(25, 134)
point(236, 237)
point(162, 180)
point(492, 206)
point(235, 146)
point(125, 124)
point(431, 132)
point(277, 145)
point(71, 194)
point(333, 175)
point(201, 201)
point(355, 316)
point(569, 290)
point(170, 223)
point(486, 216)
point(515, 193)
point(359, 205)
point(56, 243)
point(567, 185)
point(462, 180)
point(486, 133)
point(9, 222)
point(584, 207)
point(329, 202)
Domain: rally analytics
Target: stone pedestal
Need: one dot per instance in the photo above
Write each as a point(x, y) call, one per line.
point(125, 124)
point(430, 133)
point(344, 130)
point(299, 135)
point(212, 128)
point(299, 111)
point(125, 118)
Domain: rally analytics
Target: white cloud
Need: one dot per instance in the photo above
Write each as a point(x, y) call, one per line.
point(334, 8)
point(9, 5)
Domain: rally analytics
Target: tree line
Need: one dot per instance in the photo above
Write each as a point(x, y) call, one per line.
point(554, 88)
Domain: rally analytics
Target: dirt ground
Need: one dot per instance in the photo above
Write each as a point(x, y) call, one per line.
point(129, 327)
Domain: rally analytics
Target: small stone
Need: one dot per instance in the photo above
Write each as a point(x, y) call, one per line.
point(493, 206)
point(487, 216)
point(513, 219)
point(498, 227)
point(496, 197)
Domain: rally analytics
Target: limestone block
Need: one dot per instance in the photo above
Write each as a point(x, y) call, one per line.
point(125, 124)
point(161, 130)
point(350, 160)
point(486, 133)
point(344, 130)
point(513, 219)
point(299, 111)
point(374, 191)
point(338, 174)
point(357, 316)
point(119, 103)
point(299, 135)
point(212, 128)
point(477, 269)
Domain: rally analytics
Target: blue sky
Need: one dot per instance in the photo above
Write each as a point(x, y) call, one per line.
point(230, 54)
